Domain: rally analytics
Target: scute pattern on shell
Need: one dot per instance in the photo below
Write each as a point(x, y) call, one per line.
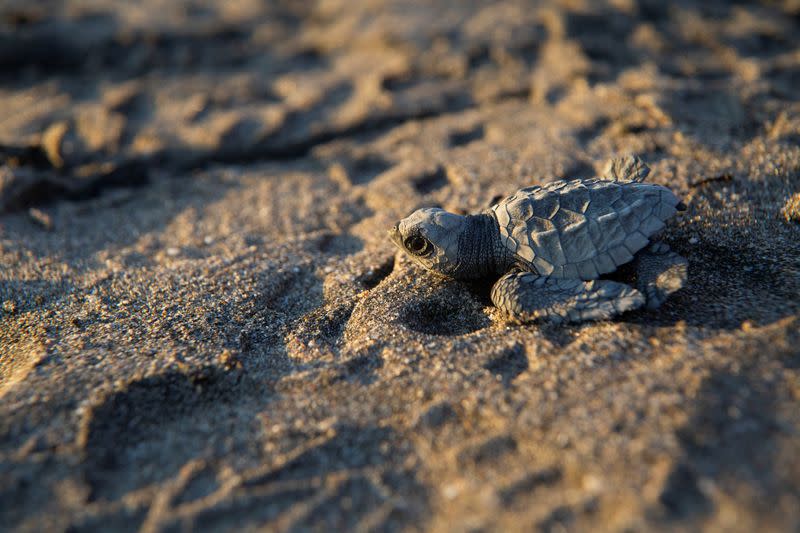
point(582, 228)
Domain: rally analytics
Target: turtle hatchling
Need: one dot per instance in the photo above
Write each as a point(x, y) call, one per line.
point(551, 245)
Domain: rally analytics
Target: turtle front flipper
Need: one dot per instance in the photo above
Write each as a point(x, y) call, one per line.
point(528, 297)
point(659, 273)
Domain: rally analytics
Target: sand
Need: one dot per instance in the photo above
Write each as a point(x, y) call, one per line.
point(204, 326)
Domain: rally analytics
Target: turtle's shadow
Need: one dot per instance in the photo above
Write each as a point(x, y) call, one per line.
point(724, 289)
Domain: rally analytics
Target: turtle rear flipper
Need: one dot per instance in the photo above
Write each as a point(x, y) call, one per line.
point(528, 297)
point(659, 273)
point(629, 168)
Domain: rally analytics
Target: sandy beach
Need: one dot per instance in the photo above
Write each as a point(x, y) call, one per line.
point(203, 324)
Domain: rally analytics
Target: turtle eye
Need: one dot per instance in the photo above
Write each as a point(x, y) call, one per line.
point(417, 245)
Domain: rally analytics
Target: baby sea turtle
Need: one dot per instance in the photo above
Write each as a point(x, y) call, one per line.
point(551, 244)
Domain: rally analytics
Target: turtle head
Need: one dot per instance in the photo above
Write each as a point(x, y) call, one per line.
point(430, 236)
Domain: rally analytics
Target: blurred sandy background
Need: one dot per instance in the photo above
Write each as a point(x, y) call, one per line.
point(203, 324)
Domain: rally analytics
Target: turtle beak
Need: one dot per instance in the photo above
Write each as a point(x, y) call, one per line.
point(396, 238)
